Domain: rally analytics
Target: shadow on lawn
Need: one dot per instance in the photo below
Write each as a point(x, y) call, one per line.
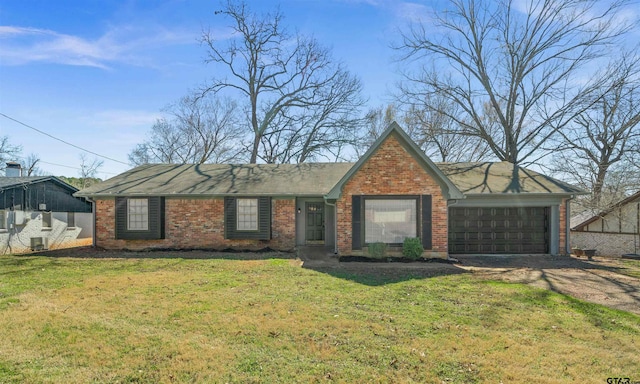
point(323, 260)
point(532, 261)
point(26, 264)
point(376, 274)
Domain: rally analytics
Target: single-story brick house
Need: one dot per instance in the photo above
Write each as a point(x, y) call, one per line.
point(612, 232)
point(394, 191)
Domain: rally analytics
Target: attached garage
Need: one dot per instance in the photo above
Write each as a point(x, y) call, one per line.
point(506, 210)
point(499, 230)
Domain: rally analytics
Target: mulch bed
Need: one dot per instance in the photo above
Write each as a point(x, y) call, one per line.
point(365, 259)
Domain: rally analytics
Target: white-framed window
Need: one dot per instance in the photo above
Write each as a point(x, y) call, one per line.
point(247, 214)
point(138, 214)
point(390, 220)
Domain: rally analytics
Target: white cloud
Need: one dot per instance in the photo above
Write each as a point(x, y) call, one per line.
point(412, 12)
point(402, 10)
point(22, 45)
point(122, 118)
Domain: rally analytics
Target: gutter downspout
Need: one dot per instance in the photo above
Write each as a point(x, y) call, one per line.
point(93, 221)
point(335, 225)
point(567, 216)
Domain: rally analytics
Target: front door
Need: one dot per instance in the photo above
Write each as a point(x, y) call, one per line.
point(315, 223)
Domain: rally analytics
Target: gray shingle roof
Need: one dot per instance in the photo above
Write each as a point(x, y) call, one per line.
point(502, 177)
point(314, 179)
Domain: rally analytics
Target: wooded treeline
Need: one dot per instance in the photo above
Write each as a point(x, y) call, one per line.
point(542, 83)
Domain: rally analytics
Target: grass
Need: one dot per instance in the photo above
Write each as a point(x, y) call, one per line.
point(70, 320)
point(630, 267)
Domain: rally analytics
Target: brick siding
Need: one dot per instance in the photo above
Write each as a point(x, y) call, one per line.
point(562, 246)
point(606, 244)
point(391, 170)
point(198, 224)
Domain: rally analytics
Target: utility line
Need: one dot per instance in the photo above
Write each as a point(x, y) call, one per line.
point(62, 141)
point(76, 168)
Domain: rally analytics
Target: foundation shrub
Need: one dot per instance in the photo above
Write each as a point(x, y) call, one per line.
point(412, 248)
point(378, 250)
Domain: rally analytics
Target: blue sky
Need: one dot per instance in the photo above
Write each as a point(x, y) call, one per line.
point(97, 73)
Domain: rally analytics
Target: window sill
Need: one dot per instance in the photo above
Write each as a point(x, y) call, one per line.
point(70, 228)
point(390, 245)
point(47, 229)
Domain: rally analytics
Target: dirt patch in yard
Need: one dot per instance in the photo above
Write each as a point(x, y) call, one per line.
point(607, 281)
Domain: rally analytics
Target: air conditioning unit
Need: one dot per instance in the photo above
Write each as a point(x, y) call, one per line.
point(39, 243)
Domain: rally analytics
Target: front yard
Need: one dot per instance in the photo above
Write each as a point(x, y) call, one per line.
point(262, 318)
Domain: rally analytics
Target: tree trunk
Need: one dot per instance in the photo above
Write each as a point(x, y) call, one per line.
point(599, 184)
point(254, 149)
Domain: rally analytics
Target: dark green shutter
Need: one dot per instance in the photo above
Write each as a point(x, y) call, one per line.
point(121, 218)
point(426, 222)
point(229, 217)
point(156, 220)
point(264, 220)
point(356, 222)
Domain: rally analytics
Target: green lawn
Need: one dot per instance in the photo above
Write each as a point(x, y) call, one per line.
point(72, 320)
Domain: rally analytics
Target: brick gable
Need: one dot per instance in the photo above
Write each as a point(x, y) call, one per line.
point(392, 170)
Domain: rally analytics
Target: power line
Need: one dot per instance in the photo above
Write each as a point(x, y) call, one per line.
point(76, 168)
point(62, 141)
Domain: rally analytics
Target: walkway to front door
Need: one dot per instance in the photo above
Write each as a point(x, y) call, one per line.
point(315, 223)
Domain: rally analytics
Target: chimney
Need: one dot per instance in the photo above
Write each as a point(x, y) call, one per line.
point(14, 169)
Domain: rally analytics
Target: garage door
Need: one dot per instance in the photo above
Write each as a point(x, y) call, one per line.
point(498, 230)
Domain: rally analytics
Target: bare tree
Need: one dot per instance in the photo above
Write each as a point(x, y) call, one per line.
point(432, 128)
point(30, 165)
point(8, 151)
point(599, 149)
point(375, 122)
point(518, 62)
point(197, 130)
point(318, 132)
point(88, 170)
point(295, 93)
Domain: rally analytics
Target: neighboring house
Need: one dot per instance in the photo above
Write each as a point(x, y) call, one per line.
point(394, 191)
point(613, 232)
point(41, 213)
